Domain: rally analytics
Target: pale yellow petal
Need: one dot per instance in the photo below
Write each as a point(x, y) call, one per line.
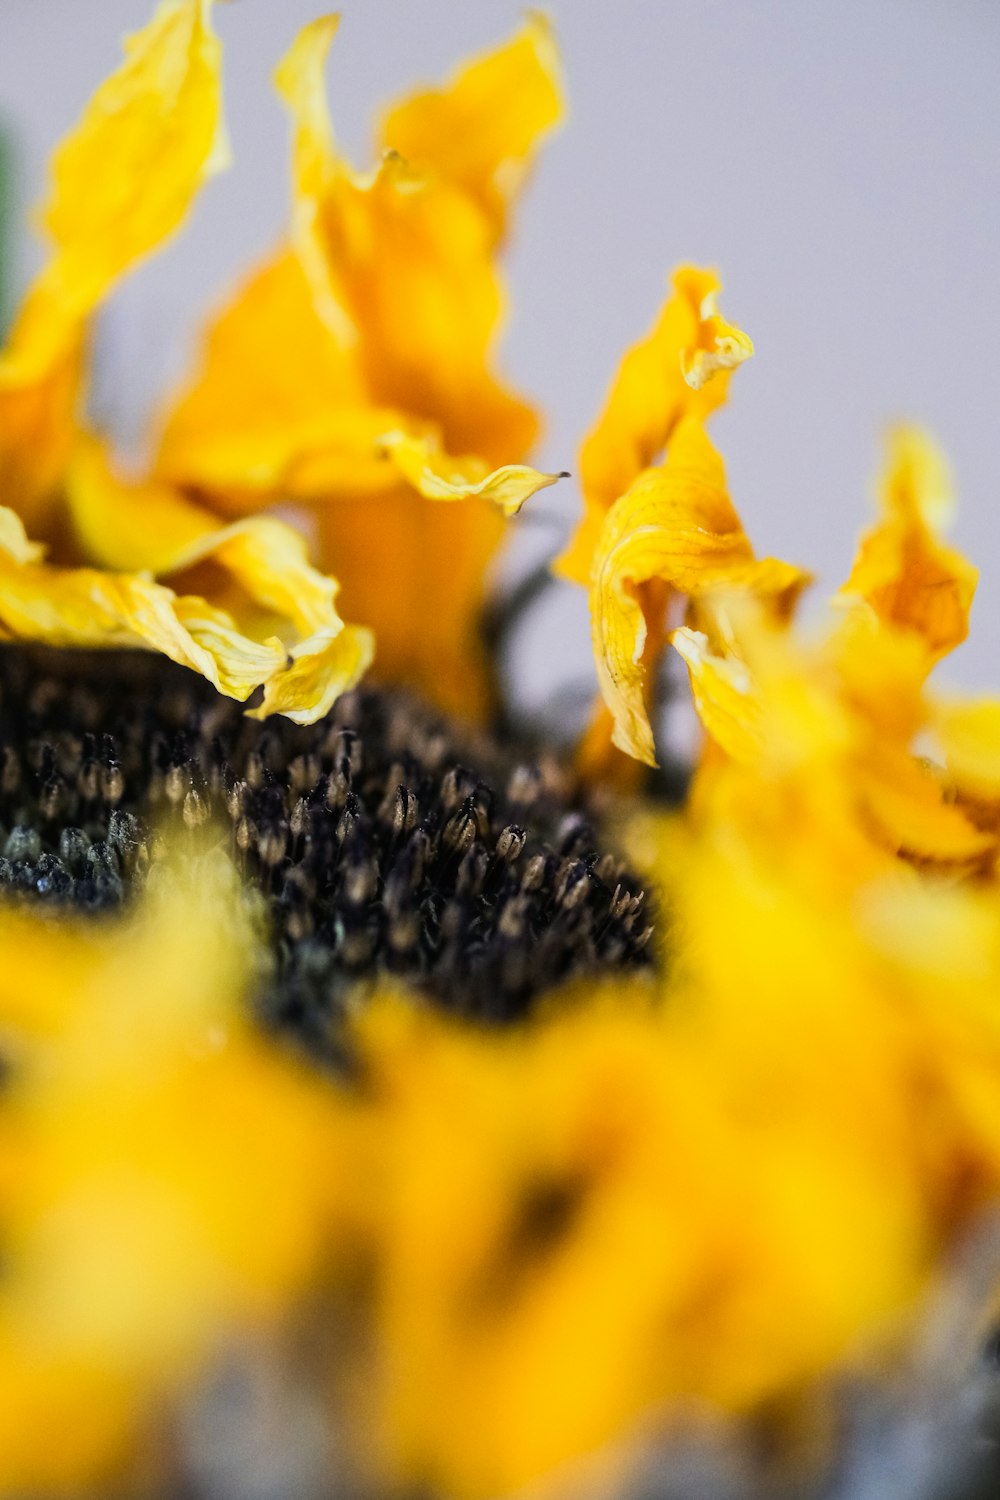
point(664, 377)
point(439, 476)
point(481, 131)
point(320, 668)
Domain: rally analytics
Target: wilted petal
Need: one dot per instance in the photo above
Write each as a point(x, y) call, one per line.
point(437, 476)
point(482, 129)
point(146, 525)
point(666, 376)
point(909, 577)
point(676, 524)
point(320, 668)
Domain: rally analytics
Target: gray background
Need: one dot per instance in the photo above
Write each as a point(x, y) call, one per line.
point(838, 161)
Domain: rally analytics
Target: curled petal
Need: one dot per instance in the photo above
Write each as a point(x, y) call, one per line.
point(437, 476)
point(909, 577)
point(147, 526)
point(262, 591)
point(84, 607)
point(482, 129)
point(664, 377)
point(676, 524)
point(319, 669)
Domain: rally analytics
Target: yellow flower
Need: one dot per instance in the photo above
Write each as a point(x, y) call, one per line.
point(122, 182)
point(384, 308)
point(165, 1175)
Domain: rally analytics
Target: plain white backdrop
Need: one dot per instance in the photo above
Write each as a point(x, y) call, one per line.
point(839, 160)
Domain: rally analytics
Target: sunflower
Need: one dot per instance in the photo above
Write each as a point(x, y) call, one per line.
point(364, 1126)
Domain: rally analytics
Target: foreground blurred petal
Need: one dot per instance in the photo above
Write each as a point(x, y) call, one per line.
point(147, 1125)
point(681, 368)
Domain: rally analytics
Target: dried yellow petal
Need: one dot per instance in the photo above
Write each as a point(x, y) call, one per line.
point(664, 377)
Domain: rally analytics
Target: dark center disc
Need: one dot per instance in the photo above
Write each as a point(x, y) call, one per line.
point(382, 839)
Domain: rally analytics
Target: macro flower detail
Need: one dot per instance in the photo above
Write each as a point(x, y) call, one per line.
point(396, 1099)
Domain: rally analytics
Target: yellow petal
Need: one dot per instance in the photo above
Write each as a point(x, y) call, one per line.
point(724, 695)
point(481, 130)
point(275, 392)
point(415, 572)
point(299, 80)
point(908, 576)
point(84, 607)
point(38, 407)
point(146, 525)
point(328, 663)
point(125, 178)
point(664, 377)
point(437, 476)
point(676, 524)
point(969, 732)
point(401, 265)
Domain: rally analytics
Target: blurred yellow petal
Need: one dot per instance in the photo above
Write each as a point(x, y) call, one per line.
point(299, 80)
point(278, 407)
point(676, 524)
point(482, 129)
point(902, 569)
point(969, 732)
point(37, 412)
point(437, 476)
point(424, 594)
point(681, 368)
point(150, 1123)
